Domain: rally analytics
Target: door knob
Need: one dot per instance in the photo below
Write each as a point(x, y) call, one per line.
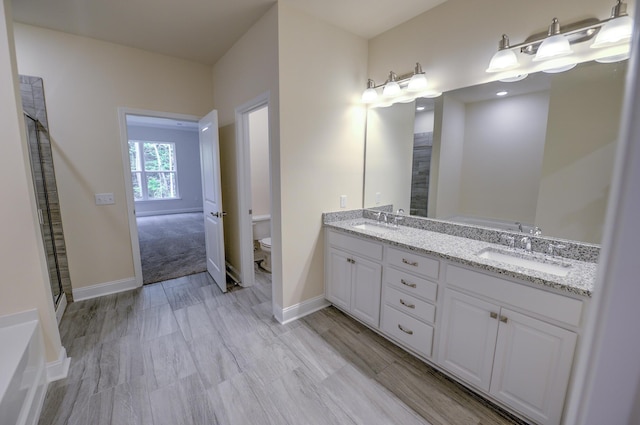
point(218, 214)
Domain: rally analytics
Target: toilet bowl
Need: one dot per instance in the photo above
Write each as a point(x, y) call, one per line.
point(265, 247)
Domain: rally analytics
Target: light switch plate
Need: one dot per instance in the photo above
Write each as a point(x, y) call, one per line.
point(105, 199)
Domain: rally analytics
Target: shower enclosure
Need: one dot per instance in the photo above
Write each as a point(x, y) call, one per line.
point(45, 188)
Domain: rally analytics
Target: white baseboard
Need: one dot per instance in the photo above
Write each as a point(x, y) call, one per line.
point(62, 306)
point(18, 318)
point(300, 310)
point(102, 289)
point(166, 212)
point(58, 369)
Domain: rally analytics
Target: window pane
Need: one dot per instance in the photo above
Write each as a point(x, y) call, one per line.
point(134, 155)
point(159, 156)
point(136, 179)
point(161, 185)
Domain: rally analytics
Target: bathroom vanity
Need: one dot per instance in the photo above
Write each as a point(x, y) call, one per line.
point(505, 328)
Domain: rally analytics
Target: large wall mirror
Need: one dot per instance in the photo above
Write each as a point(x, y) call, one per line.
point(539, 151)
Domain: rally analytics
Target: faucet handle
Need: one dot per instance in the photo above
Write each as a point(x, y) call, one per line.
point(553, 248)
point(511, 241)
point(536, 231)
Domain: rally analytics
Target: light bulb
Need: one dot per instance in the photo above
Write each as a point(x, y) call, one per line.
point(555, 45)
point(369, 95)
point(503, 60)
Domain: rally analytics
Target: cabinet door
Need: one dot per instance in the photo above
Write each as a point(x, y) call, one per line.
point(339, 279)
point(468, 338)
point(365, 295)
point(532, 366)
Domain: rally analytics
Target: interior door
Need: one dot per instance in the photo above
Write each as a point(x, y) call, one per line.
point(212, 198)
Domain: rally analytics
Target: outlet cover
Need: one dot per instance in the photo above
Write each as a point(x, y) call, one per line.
point(343, 201)
point(105, 199)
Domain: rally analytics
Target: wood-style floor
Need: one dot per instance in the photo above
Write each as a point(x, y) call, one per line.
point(181, 352)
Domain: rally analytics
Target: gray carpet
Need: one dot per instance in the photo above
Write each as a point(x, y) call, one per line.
point(171, 246)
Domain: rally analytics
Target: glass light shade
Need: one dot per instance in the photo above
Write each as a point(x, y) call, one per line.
point(558, 69)
point(503, 60)
point(618, 30)
point(553, 47)
point(513, 79)
point(369, 95)
point(417, 83)
point(391, 89)
point(615, 54)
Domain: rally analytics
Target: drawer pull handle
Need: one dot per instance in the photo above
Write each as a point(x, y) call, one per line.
point(404, 303)
point(504, 319)
point(411, 263)
point(493, 315)
point(407, 331)
point(410, 285)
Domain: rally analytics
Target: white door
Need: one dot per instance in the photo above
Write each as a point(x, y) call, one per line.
point(212, 198)
point(532, 366)
point(365, 295)
point(339, 284)
point(468, 338)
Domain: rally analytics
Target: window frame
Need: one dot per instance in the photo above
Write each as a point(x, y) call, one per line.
point(142, 172)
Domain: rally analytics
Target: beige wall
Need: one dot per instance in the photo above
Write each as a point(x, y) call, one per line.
point(322, 75)
point(389, 160)
point(24, 282)
point(249, 69)
point(85, 81)
point(455, 41)
point(259, 139)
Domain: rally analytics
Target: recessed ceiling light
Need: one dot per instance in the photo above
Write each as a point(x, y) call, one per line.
point(420, 108)
point(502, 93)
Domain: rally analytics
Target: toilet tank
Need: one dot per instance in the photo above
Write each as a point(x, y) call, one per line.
point(261, 227)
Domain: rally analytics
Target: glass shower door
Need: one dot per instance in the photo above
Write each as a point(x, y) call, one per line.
point(45, 186)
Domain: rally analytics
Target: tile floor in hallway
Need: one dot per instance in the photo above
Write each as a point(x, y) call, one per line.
point(182, 352)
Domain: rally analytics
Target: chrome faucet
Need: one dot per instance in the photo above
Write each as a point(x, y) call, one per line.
point(525, 243)
point(381, 217)
point(511, 241)
point(536, 231)
point(398, 217)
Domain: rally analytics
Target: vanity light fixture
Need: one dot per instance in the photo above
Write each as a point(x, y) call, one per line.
point(399, 88)
point(553, 50)
point(391, 87)
point(502, 93)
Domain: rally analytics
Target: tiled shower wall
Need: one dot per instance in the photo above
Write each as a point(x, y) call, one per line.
point(422, 145)
point(33, 103)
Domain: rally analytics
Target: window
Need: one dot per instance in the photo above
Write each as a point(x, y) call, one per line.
point(153, 170)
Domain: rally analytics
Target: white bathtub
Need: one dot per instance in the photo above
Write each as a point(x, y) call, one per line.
point(23, 380)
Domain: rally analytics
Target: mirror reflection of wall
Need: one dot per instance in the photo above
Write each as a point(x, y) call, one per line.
point(542, 154)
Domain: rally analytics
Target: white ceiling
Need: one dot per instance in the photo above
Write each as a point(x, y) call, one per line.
point(202, 30)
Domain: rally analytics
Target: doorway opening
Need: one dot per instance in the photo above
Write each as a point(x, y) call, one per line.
point(254, 188)
point(161, 156)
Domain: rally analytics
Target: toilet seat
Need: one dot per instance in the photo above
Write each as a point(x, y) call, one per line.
point(266, 242)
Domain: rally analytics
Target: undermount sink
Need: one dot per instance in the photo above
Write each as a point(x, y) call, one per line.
point(372, 227)
point(527, 261)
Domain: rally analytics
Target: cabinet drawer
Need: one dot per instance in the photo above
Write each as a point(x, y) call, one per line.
point(408, 330)
point(413, 262)
point(409, 304)
point(360, 246)
point(554, 306)
point(412, 284)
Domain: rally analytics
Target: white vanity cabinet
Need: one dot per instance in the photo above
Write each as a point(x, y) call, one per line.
point(354, 276)
point(409, 311)
point(521, 360)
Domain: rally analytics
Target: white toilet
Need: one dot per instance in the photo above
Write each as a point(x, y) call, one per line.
point(262, 235)
point(265, 246)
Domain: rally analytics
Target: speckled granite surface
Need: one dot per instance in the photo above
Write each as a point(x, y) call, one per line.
point(464, 250)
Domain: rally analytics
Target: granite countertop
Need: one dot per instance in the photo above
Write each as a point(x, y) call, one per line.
point(461, 250)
